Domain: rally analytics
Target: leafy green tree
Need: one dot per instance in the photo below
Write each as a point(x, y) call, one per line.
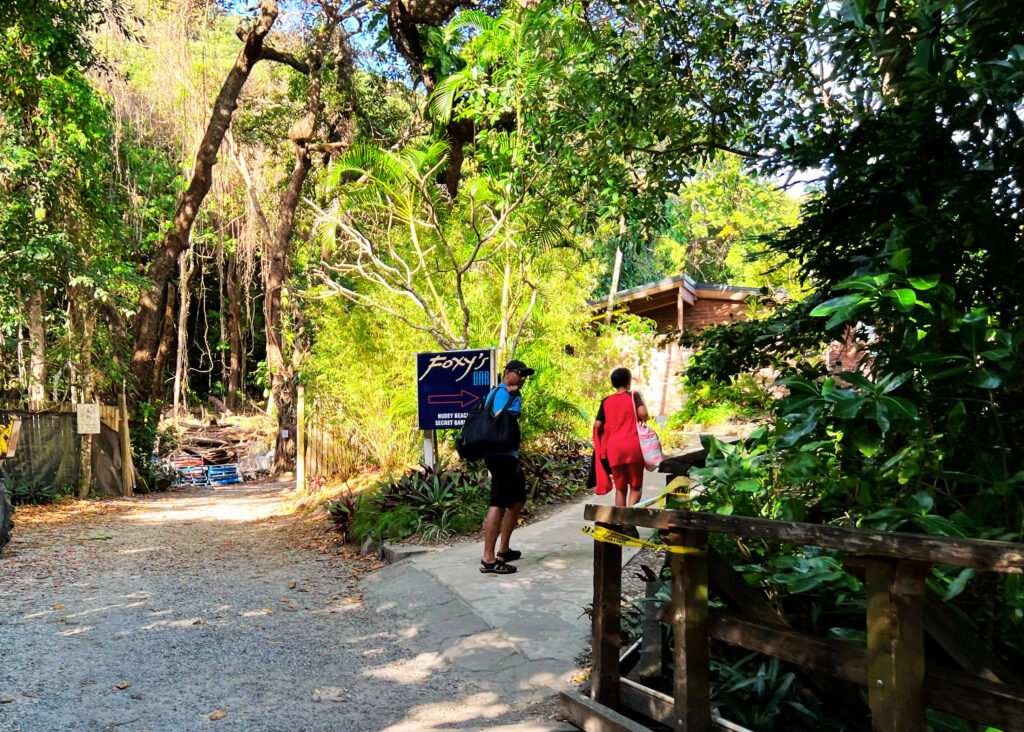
point(717, 224)
point(403, 248)
point(599, 108)
point(913, 251)
point(67, 193)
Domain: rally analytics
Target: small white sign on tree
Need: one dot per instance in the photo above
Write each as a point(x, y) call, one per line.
point(88, 419)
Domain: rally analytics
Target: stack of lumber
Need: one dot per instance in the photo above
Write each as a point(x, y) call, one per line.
point(217, 445)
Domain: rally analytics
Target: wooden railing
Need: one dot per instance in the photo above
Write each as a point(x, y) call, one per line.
point(901, 683)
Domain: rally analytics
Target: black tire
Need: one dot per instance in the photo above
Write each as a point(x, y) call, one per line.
point(6, 517)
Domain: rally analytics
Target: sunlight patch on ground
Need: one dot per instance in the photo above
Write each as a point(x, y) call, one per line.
point(142, 550)
point(165, 624)
point(76, 631)
point(427, 717)
point(338, 607)
point(557, 564)
point(105, 608)
point(407, 670)
point(365, 640)
point(207, 508)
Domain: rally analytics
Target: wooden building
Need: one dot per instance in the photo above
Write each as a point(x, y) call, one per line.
point(676, 304)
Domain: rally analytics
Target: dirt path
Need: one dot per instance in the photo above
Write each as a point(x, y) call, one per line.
point(205, 603)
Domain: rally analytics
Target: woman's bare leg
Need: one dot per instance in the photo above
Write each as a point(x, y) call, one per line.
point(620, 495)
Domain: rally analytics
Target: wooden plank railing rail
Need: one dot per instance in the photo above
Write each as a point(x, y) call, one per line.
point(901, 682)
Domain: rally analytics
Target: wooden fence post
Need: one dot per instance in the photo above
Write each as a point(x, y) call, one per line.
point(606, 644)
point(651, 647)
point(895, 595)
point(300, 438)
point(692, 653)
point(126, 448)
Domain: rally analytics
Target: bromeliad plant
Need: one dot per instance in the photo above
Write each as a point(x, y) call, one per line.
point(434, 503)
point(35, 492)
point(342, 510)
point(430, 502)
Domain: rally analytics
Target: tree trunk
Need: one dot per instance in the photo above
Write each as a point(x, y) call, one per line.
point(617, 270)
point(614, 290)
point(282, 380)
point(166, 344)
point(222, 316)
point(151, 299)
point(234, 333)
point(186, 268)
point(403, 18)
point(22, 371)
point(459, 132)
point(505, 314)
point(282, 374)
point(37, 348)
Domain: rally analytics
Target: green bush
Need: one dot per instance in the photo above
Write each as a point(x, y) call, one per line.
point(555, 469)
point(431, 502)
point(442, 502)
point(760, 693)
point(714, 402)
point(342, 510)
point(148, 440)
point(35, 492)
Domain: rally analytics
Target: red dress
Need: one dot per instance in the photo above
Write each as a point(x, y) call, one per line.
point(618, 445)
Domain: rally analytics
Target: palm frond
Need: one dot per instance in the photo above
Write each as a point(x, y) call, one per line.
point(473, 20)
point(442, 100)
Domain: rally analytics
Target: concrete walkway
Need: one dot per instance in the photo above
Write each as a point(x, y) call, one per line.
point(517, 637)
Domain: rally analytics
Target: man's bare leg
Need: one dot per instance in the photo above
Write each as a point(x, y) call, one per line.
point(508, 523)
point(492, 527)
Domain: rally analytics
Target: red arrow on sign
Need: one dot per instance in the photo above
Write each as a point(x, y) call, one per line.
point(464, 399)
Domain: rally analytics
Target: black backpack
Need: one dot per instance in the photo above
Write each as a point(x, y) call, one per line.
point(485, 433)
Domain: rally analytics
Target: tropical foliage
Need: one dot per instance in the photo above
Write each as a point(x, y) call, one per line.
point(186, 217)
point(908, 250)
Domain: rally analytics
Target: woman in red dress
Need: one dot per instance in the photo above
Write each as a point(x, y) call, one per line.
point(619, 463)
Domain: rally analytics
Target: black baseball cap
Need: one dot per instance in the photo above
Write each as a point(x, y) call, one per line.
point(519, 367)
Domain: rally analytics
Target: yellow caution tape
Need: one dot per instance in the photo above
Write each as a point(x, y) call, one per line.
point(678, 489)
point(680, 481)
point(602, 533)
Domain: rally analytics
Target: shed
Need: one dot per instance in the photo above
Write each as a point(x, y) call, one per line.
point(675, 304)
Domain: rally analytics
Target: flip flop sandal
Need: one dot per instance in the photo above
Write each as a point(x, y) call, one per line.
point(498, 567)
point(510, 556)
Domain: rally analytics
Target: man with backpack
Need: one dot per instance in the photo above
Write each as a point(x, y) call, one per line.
point(508, 484)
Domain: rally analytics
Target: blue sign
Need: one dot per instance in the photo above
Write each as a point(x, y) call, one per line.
point(449, 383)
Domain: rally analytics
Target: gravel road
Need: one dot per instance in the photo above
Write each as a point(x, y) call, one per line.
point(201, 610)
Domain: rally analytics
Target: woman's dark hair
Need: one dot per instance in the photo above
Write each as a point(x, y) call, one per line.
point(620, 378)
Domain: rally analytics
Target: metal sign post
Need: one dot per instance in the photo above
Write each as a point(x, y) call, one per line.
point(448, 384)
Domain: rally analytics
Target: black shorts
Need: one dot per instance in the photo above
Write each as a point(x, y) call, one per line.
point(508, 483)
